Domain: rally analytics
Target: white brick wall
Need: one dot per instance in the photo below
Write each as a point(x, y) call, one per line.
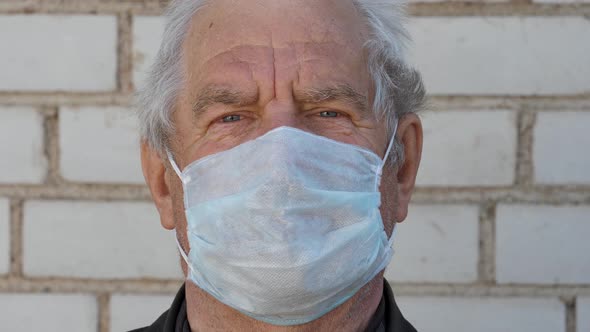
point(97, 240)
point(48, 313)
point(561, 147)
point(487, 314)
point(73, 53)
point(99, 145)
point(129, 312)
point(21, 134)
point(502, 55)
point(436, 243)
point(147, 34)
point(463, 148)
point(583, 314)
point(542, 244)
point(79, 56)
point(4, 236)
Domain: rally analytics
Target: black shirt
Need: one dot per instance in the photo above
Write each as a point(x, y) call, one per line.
point(387, 318)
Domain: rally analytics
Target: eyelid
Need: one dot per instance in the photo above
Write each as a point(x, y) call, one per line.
point(242, 114)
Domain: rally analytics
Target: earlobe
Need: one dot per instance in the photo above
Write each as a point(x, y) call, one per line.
point(154, 172)
point(410, 133)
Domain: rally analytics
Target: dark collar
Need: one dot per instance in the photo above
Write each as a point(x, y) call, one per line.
point(387, 318)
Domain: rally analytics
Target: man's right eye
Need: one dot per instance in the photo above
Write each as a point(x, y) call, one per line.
point(231, 118)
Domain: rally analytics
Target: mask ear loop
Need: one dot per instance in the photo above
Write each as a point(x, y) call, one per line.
point(380, 171)
point(173, 163)
point(182, 253)
point(385, 157)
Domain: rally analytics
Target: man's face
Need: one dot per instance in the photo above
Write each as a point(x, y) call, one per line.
point(256, 65)
point(252, 66)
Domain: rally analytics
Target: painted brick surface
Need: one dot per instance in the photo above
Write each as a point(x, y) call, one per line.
point(129, 312)
point(502, 55)
point(542, 244)
point(561, 148)
point(89, 227)
point(4, 236)
point(487, 314)
point(147, 34)
point(583, 314)
point(436, 243)
point(61, 52)
point(97, 240)
point(463, 148)
point(52, 312)
point(99, 145)
point(21, 133)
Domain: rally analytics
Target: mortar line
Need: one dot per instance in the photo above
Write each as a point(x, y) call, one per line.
point(51, 148)
point(570, 313)
point(524, 151)
point(16, 238)
point(486, 267)
point(536, 195)
point(447, 8)
point(553, 103)
point(124, 52)
point(104, 314)
point(521, 2)
point(169, 287)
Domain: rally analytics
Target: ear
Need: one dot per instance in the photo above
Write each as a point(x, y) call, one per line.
point(154, 172)
point(409, 132)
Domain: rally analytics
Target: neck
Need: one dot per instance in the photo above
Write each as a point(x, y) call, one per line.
point(205, 313)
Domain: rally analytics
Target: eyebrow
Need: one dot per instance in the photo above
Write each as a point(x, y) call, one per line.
point(215, 94)
point(339, 92)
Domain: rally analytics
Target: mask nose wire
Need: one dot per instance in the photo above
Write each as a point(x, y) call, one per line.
point(173, 163)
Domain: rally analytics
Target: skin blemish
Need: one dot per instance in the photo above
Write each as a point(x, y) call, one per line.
point(210, 25)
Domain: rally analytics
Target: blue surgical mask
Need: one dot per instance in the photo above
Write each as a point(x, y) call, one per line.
point(285, 227)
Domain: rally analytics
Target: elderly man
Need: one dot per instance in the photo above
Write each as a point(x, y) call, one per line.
point(279, 141)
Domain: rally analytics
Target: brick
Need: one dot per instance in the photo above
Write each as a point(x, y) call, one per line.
point(129, 312)
point(436, 243)
point(502, 55)
point(48, 312)
point(484, 314)
point(97, 240)
point(542, 244)
point(560, 139)
point(147, 35)
point(4, 236)
point(99, 145)
point(583, 314)
point(23, 159)
point(463, 148)
point(67, 53)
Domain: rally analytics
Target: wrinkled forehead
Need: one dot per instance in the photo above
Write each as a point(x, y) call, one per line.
point(318, 27)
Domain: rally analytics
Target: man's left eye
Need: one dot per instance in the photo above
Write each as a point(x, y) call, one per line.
point(231, 118)
point(328, 114)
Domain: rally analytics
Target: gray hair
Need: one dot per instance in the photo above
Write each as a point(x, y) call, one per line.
point(398, 88)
